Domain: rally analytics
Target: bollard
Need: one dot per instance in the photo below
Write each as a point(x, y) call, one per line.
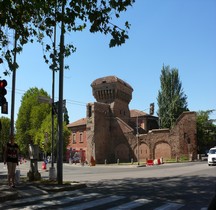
point(118, 161)
point(191, 157)
point(92, 162)
point(105, 161)
point(198, 156)
point(132, 161)
point(161, 160)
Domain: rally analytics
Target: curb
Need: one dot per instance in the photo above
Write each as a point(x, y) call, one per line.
point(60, 188)
point(7, 193)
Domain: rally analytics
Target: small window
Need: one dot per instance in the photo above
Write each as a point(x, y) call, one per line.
point(74, 138)
point(89, 110)
point(81, 138)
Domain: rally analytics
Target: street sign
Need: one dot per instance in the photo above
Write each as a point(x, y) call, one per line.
point(55, 107)
point(44, 99)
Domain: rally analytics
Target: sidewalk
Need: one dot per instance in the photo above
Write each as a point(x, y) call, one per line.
point(28, 189)
point(25, 188)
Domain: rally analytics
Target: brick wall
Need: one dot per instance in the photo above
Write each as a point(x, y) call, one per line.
point(114, 139)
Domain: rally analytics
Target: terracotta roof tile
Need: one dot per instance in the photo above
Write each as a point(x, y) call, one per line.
point(135, 113)
point(78, 122)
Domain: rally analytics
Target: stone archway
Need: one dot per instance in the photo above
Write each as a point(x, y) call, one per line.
point(162, 149)
point(122, 152)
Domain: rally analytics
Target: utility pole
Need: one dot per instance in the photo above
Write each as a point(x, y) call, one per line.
point(52, 168)
point(60, 104)
point(13, 86)
point(137, 135)
point(151, 112)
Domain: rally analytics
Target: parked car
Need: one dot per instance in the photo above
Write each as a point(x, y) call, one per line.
point(212, 156)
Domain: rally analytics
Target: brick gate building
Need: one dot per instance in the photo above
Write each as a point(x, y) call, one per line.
point(113, 132)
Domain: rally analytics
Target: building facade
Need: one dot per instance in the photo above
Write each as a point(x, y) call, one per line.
point(115, 133)
point(76, 149)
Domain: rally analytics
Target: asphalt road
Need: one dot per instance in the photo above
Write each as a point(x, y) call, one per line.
point(190, 185)
point(101, 172)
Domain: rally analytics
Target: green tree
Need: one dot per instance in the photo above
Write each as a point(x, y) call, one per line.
point(36, 19)
point(16, 19)
point(206, 131)
point(171, 99)
point(44, 136)
point(4, 134)
point(31, 114)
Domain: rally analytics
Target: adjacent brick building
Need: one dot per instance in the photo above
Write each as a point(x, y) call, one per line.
point(112, 132)
point(77, 142)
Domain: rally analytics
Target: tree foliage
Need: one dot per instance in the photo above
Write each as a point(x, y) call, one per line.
point(36, 20)
point(44, 136)
point(30, 116)
point(171, 99)
point(4, 133)
point(33, 125)
point(206, 131)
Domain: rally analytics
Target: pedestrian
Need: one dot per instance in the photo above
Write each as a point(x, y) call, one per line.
point(11, 154)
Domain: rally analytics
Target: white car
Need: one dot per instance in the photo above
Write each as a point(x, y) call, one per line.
point(212, 156)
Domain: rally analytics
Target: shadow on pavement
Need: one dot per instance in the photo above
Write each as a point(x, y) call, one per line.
point(191, 190)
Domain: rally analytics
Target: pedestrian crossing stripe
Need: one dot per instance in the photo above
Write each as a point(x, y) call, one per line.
point(170, 206)
point(62, 200)
point(94, 203)
point(132, 204)
point(28, 200)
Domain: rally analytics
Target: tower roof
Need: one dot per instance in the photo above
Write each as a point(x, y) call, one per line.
point(110, 79)
point(108, 89)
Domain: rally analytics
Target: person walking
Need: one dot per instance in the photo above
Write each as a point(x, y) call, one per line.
point(11, 154)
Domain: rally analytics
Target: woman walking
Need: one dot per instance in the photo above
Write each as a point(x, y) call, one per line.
point(11, 154)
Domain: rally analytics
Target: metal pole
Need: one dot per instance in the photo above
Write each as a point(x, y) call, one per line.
point(137, 141)
point(13, 87)
point(53, 94)
point(53, 86)
point(60, 104)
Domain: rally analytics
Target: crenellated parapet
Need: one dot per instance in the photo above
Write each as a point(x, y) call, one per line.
point(111, 88)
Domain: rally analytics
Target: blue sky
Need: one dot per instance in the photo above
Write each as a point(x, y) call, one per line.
point(178, 33)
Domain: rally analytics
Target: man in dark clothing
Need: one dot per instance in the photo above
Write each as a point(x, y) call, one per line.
point(11, 154)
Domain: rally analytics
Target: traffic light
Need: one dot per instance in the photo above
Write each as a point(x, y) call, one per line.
point(55, 108)
point(151, 109)
point(4, 108)
point(3, 92)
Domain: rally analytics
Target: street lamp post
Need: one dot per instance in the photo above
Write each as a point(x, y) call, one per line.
point(60, 104)
point(137, 135)
point(137, 129)
point(13, 86)
point(52, 169)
